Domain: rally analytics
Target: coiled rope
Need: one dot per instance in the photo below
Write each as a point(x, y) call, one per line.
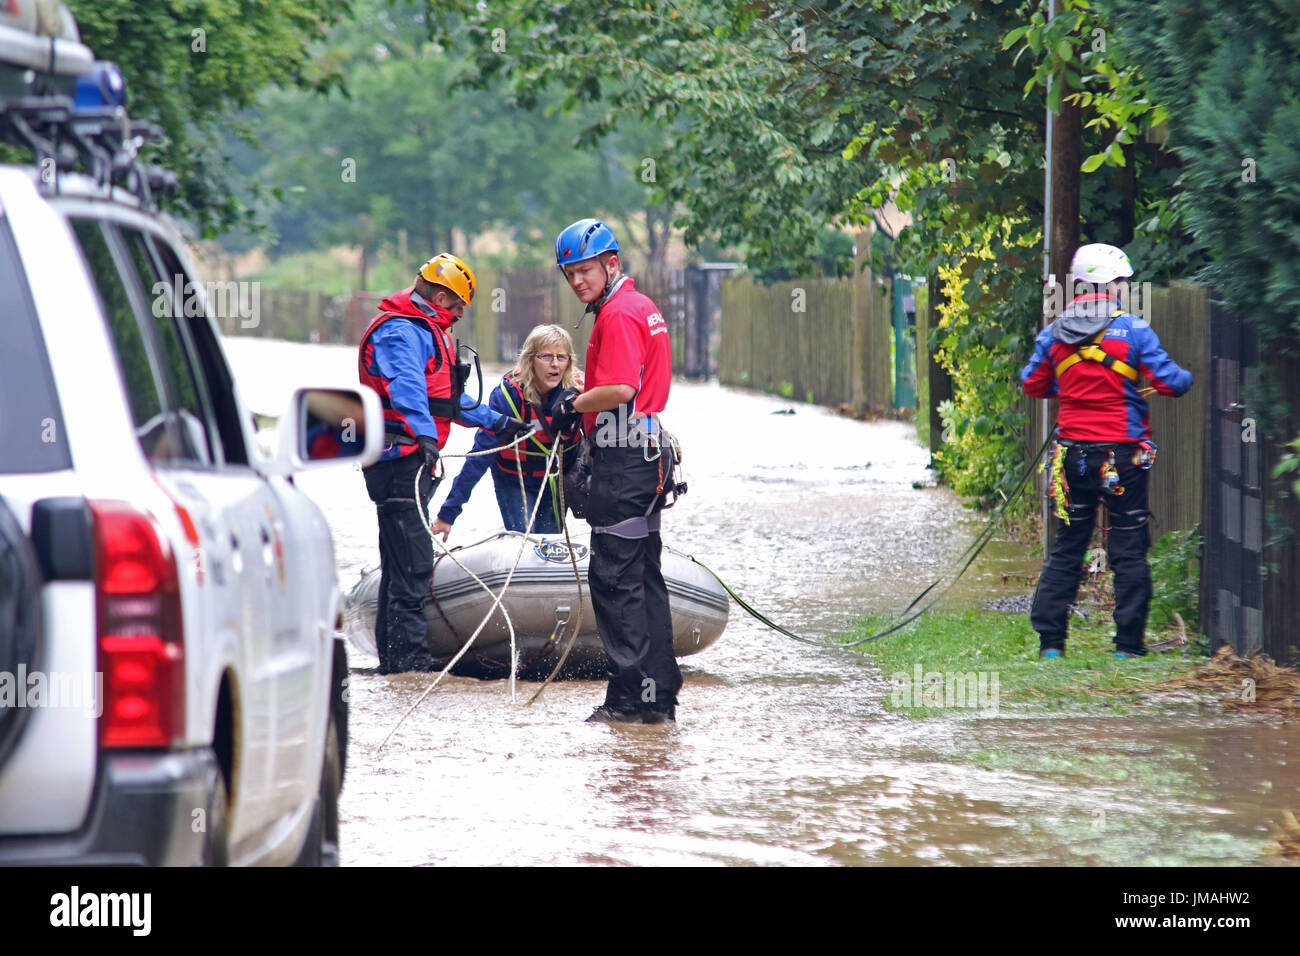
point(496, 602)
point(551, 462)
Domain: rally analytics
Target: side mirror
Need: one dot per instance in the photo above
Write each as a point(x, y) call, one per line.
point(324, 426)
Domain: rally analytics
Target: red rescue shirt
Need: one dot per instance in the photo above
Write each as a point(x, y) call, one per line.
point(629, 346)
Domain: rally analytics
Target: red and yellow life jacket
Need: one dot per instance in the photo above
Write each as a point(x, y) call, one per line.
point(440, 374)
point(530, 456)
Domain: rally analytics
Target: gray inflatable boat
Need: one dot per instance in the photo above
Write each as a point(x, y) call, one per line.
point(542, 601)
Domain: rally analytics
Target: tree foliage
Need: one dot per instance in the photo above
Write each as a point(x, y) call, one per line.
point(783, 120)
point(1234, 72)
point(776, 125)
point(403, 146)
point(191, 65)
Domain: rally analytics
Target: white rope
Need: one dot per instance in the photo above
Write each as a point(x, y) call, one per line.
point(488, 451)
point(573, 560)
point(496, 598)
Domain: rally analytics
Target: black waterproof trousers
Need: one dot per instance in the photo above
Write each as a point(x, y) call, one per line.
point(406, 564)
point(1128, 542)
point(627, 587)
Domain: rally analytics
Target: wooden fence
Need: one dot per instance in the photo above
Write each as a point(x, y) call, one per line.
point(815, 340)
point(828, 341)
point(1179, 314)
point(509, 303)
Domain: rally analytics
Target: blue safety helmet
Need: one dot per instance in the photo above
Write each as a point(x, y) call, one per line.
point(585, 239)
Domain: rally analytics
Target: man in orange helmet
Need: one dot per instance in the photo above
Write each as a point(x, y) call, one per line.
point(407, 355)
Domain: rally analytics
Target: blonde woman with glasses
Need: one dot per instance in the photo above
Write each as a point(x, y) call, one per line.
point(546, 367)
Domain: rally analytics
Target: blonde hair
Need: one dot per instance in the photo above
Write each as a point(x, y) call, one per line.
point(538, 338)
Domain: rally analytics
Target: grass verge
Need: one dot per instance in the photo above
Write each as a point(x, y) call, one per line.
point(1004, 650)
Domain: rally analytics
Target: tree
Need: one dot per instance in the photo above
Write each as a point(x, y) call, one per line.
point(403, 145)
point(1233, 71)
point(781, 120)
point(190, 65)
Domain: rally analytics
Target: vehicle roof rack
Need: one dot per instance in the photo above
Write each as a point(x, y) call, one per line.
point(102, 142)
point(68, 109)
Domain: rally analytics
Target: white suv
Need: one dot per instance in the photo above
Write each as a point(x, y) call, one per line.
point(172, 686)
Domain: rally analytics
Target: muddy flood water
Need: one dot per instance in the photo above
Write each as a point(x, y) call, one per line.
point(783, 753)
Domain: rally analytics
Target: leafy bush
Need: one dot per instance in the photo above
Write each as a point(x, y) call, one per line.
point(1176, 578)
point(981, 339)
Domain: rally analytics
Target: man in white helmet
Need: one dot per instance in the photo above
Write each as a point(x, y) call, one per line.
point(1093, 357)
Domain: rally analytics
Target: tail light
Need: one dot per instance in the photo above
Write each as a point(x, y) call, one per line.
point(141, 640)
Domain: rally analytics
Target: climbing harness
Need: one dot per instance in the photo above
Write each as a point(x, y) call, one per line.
point(1093, 352)
point(667, 449)
point(1144, 456)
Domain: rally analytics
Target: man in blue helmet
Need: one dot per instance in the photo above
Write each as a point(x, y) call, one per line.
point(629, 370)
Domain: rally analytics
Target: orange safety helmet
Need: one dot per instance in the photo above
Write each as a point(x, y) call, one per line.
point(450, 271)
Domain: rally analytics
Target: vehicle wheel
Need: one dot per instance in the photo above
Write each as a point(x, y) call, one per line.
point(321, 847)
point(216, 845)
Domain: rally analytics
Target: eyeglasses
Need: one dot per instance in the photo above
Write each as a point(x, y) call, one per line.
point(549, 357)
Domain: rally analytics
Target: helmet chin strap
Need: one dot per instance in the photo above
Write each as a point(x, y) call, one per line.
point(611, 286)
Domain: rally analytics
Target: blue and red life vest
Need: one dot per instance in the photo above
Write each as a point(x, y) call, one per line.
point(531, 456)
point(1093, 358)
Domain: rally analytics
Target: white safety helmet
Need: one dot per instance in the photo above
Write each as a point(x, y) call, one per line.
point(1100, 263)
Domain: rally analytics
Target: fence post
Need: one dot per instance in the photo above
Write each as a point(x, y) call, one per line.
point(940, 382)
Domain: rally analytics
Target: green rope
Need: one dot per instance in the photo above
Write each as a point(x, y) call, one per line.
point(965, 559)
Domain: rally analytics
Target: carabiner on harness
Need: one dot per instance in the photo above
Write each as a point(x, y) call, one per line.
point(1110, 476)
point(649, 428)
point(1145, 455)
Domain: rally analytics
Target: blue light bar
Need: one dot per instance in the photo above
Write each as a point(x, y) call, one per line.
point(102, 86)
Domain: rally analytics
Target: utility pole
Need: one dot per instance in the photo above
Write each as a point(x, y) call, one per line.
point(1062, 171)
